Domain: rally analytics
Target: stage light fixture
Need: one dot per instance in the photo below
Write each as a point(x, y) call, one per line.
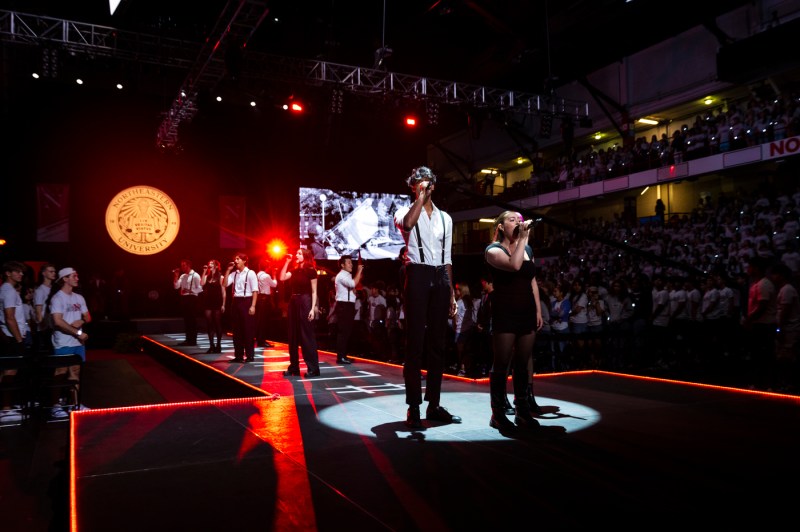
point(410, 121)
point(294, 104)
point(432, 112)
point(276, 248)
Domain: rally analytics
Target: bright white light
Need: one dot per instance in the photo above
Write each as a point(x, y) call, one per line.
point(35, 75)
point(252, 104)
point(113, 5)
point(219, 98)
point(119, 86)
point(79, 81)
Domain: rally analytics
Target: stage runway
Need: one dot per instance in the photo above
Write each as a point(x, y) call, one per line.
point(333, 453)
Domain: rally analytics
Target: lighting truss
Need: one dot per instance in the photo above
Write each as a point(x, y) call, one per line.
point(206, 67)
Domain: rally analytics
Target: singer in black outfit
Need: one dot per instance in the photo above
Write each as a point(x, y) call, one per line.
point(429, 296)
point(302, 312)
point(243, 311)
point(516, 316)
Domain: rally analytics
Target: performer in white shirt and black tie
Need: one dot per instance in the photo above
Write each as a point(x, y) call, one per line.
point(243, 311)
point(345, 305)
point(188, 282)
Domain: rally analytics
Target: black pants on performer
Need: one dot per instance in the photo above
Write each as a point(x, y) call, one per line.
point(345, 316)
point(427, 300)
point(244, 327)
point(189, 314)
point(301, 334)
point(263, 315)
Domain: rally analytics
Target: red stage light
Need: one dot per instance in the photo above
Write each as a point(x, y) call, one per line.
point(411, 121)
point(276, 249)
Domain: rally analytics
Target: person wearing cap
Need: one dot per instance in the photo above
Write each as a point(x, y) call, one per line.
point(69, 313)
point(429, 296)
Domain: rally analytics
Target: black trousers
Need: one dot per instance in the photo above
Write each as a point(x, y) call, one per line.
point(301, 333)
point(189, 314)
point(345, 316)
point(427, 300)
point(244, 327)
point(263, 317)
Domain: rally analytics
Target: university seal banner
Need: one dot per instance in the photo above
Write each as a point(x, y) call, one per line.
point(142, 220)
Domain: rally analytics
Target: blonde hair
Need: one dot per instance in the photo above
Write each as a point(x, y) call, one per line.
point(499, 221)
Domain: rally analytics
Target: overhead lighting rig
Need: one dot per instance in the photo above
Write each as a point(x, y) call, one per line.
point(234, 27)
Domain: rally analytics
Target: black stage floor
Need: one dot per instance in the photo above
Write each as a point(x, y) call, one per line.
point(333, 453)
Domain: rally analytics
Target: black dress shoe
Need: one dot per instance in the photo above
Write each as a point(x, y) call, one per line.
point(412, 417)
point(291, 372)
point(440, 413)
point(343, 361)
point(237, 359)
point(500, 422)
point(311, 373)
point(250, 359)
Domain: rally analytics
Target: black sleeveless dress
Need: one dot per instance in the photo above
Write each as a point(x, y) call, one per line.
point(513, 304)
point(212, 295)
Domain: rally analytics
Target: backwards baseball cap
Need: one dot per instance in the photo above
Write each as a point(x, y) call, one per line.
point(420, 173)
point(64, 272)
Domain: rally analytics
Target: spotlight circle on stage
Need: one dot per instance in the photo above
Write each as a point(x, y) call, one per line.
point(382, 416)
point(142, 220)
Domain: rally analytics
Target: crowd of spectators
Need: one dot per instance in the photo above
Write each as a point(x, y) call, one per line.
point(737, 125)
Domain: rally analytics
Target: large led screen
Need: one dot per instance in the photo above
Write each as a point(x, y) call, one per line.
point(335, 223)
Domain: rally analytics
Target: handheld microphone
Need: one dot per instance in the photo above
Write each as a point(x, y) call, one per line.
point(230, 264)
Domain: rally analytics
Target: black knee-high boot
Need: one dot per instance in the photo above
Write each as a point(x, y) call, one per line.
point(498, 398)
point(210, 343)
point(532, 404)
point(522, 416)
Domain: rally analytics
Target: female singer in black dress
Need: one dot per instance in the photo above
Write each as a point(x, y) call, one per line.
point(303, 305)
point(516, 316)
point(213, 303)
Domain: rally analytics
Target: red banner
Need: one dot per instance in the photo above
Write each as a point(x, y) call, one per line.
point(52, 204)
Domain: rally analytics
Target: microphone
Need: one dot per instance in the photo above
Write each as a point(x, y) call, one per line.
point(230, 264)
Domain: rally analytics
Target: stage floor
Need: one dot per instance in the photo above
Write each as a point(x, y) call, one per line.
point(333, 453)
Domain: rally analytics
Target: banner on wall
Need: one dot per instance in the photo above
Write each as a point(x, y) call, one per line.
point(52, 213)
point(231, 222)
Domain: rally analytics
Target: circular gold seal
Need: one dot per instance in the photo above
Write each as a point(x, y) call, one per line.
point(142, 220)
